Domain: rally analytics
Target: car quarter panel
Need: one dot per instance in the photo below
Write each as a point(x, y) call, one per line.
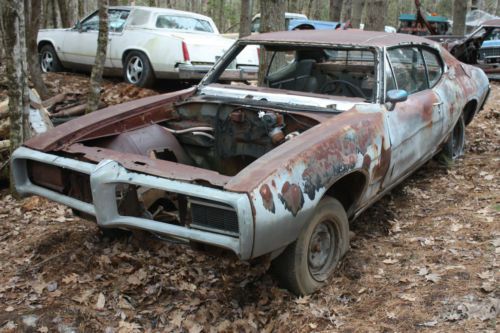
point(289, 181)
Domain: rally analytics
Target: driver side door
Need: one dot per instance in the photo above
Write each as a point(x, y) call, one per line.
point(415, 125)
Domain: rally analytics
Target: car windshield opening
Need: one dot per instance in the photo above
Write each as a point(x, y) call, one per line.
point(346, 72)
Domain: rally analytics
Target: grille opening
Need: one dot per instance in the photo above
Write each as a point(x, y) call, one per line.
point(68, 182)
point(174, 208)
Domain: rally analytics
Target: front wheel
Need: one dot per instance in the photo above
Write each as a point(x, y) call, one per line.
point(137, 70)
point(49, 62)
point(307, 263)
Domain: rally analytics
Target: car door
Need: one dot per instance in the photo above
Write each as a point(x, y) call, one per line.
point(117, 40)
point(415, 125)
point(80, 43)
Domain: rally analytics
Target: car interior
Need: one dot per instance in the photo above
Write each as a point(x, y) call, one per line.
point(337, 72)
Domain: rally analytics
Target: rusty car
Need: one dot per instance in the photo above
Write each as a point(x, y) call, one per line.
point(275, 169)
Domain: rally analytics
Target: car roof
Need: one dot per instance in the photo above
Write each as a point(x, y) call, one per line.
point(338, 37)
point(491, 23)
point(162, 10)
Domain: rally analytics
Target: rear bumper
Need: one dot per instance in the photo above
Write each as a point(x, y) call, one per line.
point(197, 72)
point(104, 178)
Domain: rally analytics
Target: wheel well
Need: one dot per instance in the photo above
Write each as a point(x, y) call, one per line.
point(43, 43)
point(304, 27)
point(469, 111)
point(125, 54)
point(348, 190)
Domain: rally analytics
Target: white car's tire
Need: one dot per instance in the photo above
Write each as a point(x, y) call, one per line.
point(49, 61)
point(137, 70)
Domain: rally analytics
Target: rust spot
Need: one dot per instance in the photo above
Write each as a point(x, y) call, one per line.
point(291, 196)
point(267, 198)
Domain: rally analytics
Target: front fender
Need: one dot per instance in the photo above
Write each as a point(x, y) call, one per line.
point(304, 170)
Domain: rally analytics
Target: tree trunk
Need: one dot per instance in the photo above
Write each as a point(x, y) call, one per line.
point(497, 12)
point(13, 31)
point(31, 10)
point(475, 5)
point(272, 18)
point(64, 10)
point(53, 9)
point(357, 12)
point(347, 11)
point(335, 10)
point(375, 15)
point(245, 18)
point(102, 44)
point(459, 11)
point(81, 9)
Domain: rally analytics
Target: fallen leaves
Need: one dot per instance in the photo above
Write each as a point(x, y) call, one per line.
point(101, 301)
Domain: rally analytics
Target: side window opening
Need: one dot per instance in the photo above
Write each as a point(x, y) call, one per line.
point(434, 67)
point(409, 69)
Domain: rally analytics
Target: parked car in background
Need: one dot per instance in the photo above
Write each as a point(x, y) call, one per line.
point(255, 25)
point(145, 43)
point(342, 117)
point(480, 48)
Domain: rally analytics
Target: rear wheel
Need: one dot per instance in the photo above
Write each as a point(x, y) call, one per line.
point(307, 263)
point(137, 70)
point(49, 62)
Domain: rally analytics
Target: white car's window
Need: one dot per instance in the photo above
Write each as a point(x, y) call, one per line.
point(183, 23)
point(434, 67)
point(117, 19)
point(90, 23)
point(409, 69)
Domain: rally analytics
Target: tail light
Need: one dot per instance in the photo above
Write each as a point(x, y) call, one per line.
point(185, 52)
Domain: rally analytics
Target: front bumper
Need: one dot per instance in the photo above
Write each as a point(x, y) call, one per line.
point(104, 178)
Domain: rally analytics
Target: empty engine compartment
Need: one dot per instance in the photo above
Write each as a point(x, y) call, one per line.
point(212, 135)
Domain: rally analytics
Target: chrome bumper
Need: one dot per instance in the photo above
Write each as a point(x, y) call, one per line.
point(105, 176)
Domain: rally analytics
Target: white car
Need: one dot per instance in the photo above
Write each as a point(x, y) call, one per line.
point(144, 43)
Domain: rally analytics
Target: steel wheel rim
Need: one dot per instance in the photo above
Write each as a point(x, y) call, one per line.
point(135, 69)
point(47, 62)
point(322, 250)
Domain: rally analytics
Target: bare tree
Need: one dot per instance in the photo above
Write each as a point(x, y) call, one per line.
point(356, 12)
point(335, 10)
point(347, 10)
point(65, 13)
point(245, 18)
point(459, 11)
point(375, 15)
point(272, 18)
point(14, 42)
point(32, 8)
point(102, 44)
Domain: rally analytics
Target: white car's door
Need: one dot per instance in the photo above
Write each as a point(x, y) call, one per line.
point(80, 44)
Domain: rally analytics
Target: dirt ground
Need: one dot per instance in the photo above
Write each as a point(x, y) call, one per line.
point(424, 258)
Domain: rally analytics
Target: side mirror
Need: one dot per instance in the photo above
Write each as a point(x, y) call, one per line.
point(395, 96)
point(78, 25)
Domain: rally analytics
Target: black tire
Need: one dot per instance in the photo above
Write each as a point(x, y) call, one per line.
point(301, 268)
point(137, 70)
point(49, 61)
point(454, 147)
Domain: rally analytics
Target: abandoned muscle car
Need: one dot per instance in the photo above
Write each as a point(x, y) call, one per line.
point(339, 118)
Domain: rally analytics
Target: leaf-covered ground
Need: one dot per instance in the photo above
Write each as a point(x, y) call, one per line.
point(424, 258)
